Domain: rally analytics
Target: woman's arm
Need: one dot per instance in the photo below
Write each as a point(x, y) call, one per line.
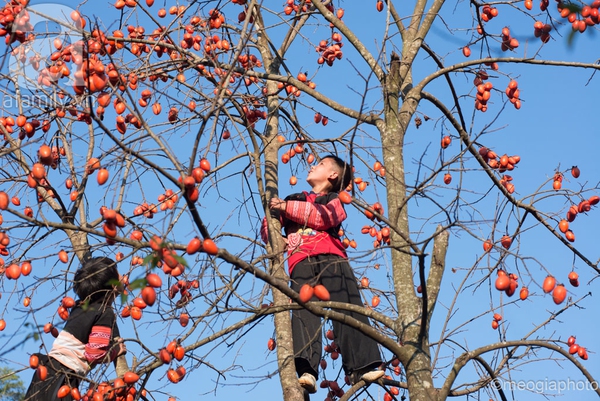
point(104, 339)
point(316, 216)
point(98, 344)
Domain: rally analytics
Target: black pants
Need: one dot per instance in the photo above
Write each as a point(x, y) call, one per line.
point(58, 375)
point(358, 351)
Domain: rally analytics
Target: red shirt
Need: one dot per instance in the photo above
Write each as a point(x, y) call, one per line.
point(311, 223)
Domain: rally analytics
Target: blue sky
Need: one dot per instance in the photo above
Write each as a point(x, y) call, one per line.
point(554, 130)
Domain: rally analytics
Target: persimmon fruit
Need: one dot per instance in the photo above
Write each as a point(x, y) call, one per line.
point(164, 355)
point(548, 284)
point(487, 245)
point(179, 352)
point(153, 280)
point(130, 377)
point(209, 246)
point(42, 372)
point(34, 361)
point(559, 294)
point(573, 348)
point(563, 226)
point(321, 292)
point(345, 197)
point(173, 376)
point(149, 295)
point(502, 282)
point(570, 236)
point(135, 312)
point(102, 176)
point(68, 302)
point(63, 256)
point(63, 391)
point(306, 292)
point(193, 246)
point(205, 165)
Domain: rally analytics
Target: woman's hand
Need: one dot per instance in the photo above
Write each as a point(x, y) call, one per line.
point(277, 204)
point(119, 345)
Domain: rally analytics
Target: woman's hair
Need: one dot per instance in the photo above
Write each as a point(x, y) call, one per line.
point(95, 278)
point(344, 173)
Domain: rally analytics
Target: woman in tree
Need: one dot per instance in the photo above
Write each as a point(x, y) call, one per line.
point(90, 335)
point(311, 221)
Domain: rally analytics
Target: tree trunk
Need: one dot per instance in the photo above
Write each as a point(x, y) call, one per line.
point(283, 324)
point(415, 355)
